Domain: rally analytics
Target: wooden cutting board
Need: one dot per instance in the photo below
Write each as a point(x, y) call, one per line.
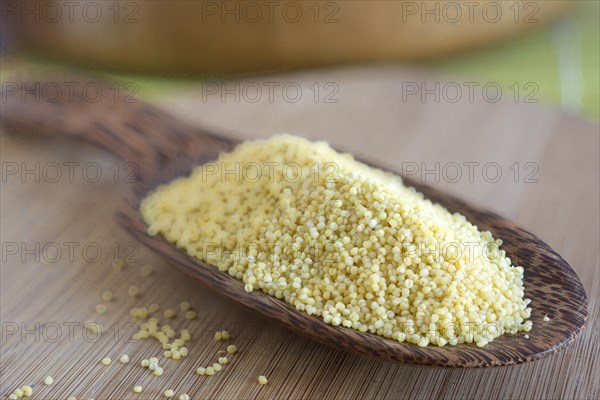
point(531, 163)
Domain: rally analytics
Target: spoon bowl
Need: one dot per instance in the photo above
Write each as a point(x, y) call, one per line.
point(162, 147)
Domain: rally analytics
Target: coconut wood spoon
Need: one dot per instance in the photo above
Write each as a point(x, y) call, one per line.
point(163, 147)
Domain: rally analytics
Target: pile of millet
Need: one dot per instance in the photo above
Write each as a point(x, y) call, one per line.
point(343, 241)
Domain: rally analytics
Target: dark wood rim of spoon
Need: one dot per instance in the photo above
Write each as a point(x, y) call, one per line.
point(164, 147)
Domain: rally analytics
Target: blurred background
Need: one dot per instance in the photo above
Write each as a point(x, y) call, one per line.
point(164, 46)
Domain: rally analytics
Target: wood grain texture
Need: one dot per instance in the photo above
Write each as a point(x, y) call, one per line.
point(334, 382)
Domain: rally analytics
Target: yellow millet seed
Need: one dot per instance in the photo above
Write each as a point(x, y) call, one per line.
point(210, 371)
point(124, 359)
point(218, 336)
point(100, 309)
point(190, 315)
point(225, 335)
point(137, 389)
point(147, 270)
point(92, 327)
point(19, 393)
point(12, 396)
point(48, 380)
point(145, 363)
point(133, 291)
point(262, 380)
point(169, 393)
point(169, 313)
point(217, 367)
point(201, 371)
point(546, 319)
point(119, 264)
point(231, 349)
point(223, 360)
point(107, 296)
point(71, 398)
point(106, 361)
point(153, 308)
point(184, 306)
point(158, 371)
point(27, 391)
point(184, 397)
point(185, 335)
point(344, 242)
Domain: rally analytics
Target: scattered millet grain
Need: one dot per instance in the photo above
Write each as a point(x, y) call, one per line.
point(19, 392)
point(147, 270)
point(119, 264)
point(362, 244)
point(100, 309)
point(153, 308)
point(133, 291)
point(546, 319)
point(184, 306)
point(169, 313)
point(145, 363)
point(107, 296)
point(185, 335)
point(232, 349)
point(92, 327)
point(225, 335)
point(71, 398)
point(158, 371)
point(201, 371)
point(262, 380)
point(12, 396)
point(124, 359)
point(223, 360)
point(210, 371)
point(137, 389)
point(27, 391)
point(48, 380)
point(218, 336)
point(106, 361)
point(184, 397)
point(169, 393)
point(190, 315)
point(217, 367)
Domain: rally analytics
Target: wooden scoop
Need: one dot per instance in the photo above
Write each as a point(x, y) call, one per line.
point(163, 147)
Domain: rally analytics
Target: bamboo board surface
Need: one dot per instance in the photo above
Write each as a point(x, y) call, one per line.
point(373, 117)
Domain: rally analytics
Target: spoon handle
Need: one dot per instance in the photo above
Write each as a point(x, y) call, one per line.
point(131, 129)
